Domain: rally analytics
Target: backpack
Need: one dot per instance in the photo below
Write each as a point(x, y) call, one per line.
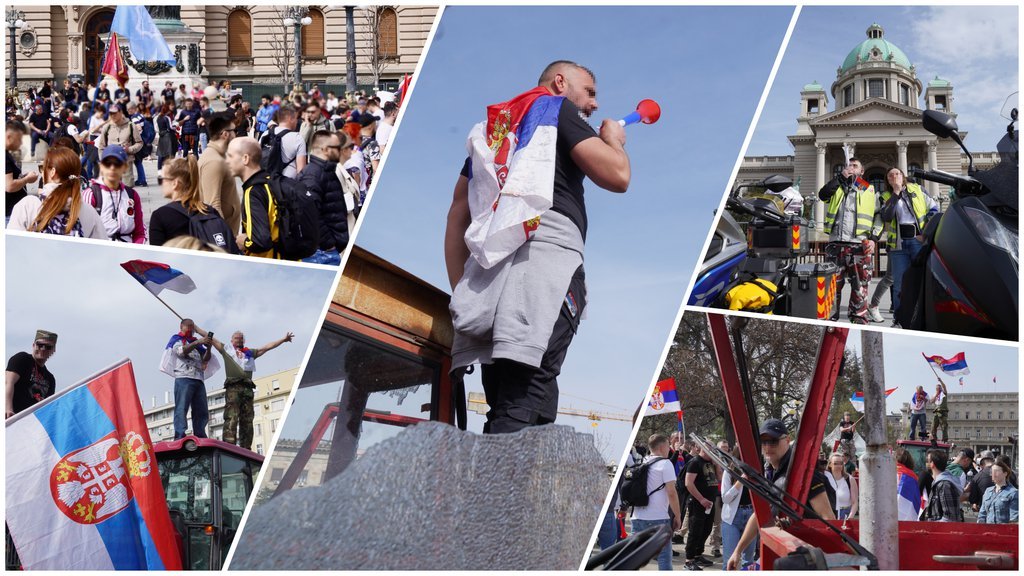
point(131, 134)
point(272, 147)
point(633, 491)
point(298, 219)
point(209, 228)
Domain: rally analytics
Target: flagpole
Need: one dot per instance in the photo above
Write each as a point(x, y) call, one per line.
point(932, 366)
point(180, 317)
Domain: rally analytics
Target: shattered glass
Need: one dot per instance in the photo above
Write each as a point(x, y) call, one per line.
point(438, 498)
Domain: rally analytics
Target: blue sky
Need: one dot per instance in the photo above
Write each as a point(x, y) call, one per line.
point(642, 245)
point(101, 314)
point(974, 47)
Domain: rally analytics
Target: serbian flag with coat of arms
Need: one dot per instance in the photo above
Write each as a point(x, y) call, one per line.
point(83, 487)
point(157, 277)
point(955, 366)
point(665, 399)
point(512, 173)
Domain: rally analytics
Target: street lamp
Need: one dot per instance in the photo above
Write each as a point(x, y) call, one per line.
point(15, 22)
point(297, 16)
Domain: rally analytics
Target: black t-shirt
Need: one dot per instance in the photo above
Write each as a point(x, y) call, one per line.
point(102, 94)
point(819, 483)
point(12, 198)
point(845, 434)
point(568, 196)
point(34, 384)
point(982, 481)
point(168, 95)
point(39, 120)
point(206, 115)
point(706, 480)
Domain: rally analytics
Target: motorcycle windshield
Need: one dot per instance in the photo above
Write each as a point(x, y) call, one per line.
point(1009, 110)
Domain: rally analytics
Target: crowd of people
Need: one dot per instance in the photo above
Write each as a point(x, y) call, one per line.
point(705, 505)
point(305, 161)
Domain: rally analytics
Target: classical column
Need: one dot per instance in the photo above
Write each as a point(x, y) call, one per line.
point(819, 207)
point(933, 164)
point(901, 149)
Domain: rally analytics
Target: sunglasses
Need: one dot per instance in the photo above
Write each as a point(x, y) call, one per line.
point(112, 164)
point(769, 441)
point(45, 346)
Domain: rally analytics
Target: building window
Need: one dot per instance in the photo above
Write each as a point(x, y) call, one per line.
point(258, 430)
point(812, 106)
point(977, 415)
point(956, 415)
point(1012, 414)
point(387, 33)
point(904, 94)
point(940, 102)
point(239, 34)
point(313, 36)
point(989, 417)
point(876, 88)
point(276, 474)
point(277, 405)
point(275, 384)
point(848, 95)
point(259, 448)
point(303, 476)
point(273, 425)
point(1000, 415)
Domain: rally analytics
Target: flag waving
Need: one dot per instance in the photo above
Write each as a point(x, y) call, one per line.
point(665, 399)
point(113, 64)
point(955, 366)
point(84, 491)
point(157, 277)
point(147, 43)
point(857, 400)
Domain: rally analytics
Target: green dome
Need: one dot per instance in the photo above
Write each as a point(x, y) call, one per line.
point(887, 52)
point(813, 87)
point(939, 83)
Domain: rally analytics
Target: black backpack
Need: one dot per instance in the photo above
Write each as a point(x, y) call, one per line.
point(633, 491)
point(209, 228)
point(298, 219)
point(271, 149)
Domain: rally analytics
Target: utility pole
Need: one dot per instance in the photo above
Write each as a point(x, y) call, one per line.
point(350, 49)
point(879, 523)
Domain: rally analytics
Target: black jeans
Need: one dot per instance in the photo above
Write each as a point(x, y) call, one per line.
point(699, 528)
point(519, 395)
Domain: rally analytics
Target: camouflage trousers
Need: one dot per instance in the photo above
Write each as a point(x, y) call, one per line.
point(856, 265)
point(939, 420)
point(238, 412)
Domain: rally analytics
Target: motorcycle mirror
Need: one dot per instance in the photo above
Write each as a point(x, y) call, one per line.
point(938, 123)
point(776, 183)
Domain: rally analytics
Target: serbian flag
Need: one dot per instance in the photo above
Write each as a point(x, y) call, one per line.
point(83, 487)
point(157, 277)
point(113, 64)
point(857, 400)
point(512, 173)
point(908, 494)
point(170, 360)
point(955, 366)
point(665, 399)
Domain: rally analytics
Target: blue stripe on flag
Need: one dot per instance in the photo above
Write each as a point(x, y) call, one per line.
point(159, 275)
point(669, 396)
point(75, 421)
point(543, 112)
point(127, 540)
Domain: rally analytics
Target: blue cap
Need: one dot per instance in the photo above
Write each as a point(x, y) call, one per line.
point(774, 427)
point(114, 151)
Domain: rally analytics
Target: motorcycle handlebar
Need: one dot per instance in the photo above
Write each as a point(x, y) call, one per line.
point(940, 177)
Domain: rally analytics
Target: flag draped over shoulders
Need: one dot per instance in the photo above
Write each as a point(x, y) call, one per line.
point(512, 172)
point(170, 360)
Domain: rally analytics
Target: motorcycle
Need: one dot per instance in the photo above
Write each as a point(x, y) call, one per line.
point(765, 259)
point(965, 279)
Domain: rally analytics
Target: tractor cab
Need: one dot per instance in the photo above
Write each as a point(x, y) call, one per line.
point(207, 484)
point(918, 449)
point(380, 363)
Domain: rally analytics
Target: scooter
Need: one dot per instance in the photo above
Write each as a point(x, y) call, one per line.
point(965, 279)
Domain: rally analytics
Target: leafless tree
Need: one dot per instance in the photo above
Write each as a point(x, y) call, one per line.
point(376, 55)
point(281, 47)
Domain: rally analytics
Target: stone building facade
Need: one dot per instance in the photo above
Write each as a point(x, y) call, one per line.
point(241, 43)
point(878, 99)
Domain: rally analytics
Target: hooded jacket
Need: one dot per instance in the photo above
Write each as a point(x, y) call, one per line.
point(320, 177)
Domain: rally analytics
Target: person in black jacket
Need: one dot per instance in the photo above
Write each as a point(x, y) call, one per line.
point(321, 178)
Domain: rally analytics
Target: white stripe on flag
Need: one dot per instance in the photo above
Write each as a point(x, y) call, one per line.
point(182, 284)
point(32, 514)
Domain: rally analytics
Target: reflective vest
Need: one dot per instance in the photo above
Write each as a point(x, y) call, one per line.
point(865, 210)
point(918, 205)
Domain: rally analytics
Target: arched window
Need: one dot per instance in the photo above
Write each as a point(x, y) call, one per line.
point(313, 35)
point(239, 34)
point(387, 33)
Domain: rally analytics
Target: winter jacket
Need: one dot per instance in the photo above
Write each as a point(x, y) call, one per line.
point(321, 178)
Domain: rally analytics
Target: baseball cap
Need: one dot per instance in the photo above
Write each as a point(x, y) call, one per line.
point(773, 427)
point(366, 119)
point(967, 452)
point(114, 108)
point(987, 455)
point(114, 151)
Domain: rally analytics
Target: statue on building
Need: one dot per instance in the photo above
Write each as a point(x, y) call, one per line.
point(165, 12)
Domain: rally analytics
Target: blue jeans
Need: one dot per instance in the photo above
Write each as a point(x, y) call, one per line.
point(731, 537)
point(331, 257)
point(609, 532)
point(140, 172)
point(204, 139)
point(900, 261)
point(844, 513)
point(190, 393)
point(665, 557)
point(921, 419)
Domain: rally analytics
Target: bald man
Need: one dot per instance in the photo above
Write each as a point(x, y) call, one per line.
point(521, 354)
point(259, 227)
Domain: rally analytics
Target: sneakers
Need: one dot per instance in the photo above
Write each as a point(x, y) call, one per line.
point(691, 565)
point(702, 561)
point(874, 315)
point(716, 553)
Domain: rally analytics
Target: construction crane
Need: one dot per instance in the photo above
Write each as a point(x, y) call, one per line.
point(478, 403)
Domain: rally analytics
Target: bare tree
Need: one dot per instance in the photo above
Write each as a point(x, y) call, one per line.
point(281, 46)
point(376, 54)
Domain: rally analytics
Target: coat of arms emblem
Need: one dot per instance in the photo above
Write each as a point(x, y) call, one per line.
point(657, 400)
point(91, 484)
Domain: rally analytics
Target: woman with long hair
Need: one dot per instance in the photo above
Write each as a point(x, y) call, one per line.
point(186, 214)
point(1000, 505)
point(844, 485)
point(58, 208)
point(167, 143)
point(908, 488)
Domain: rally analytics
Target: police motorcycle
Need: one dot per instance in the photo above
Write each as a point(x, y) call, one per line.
point(965, 279)
point(759, 271)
